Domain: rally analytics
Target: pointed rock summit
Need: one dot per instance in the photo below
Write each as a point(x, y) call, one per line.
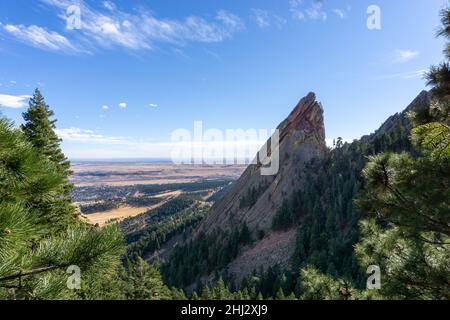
point(251, 199)
point(307, 117)
point(254, 198)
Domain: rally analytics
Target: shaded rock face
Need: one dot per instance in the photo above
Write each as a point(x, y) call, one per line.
point(255, 198)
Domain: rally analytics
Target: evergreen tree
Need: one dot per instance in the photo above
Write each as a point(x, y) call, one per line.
point(39, 129)
point(409, 236)
point(221, 292)
point(142, 281)
point(178, 294)
point(195, 296)
point(318, 286)
point(34, 252)
point(206, 293)
point(280, 295)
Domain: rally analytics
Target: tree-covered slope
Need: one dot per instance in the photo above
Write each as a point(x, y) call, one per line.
point(318, 205)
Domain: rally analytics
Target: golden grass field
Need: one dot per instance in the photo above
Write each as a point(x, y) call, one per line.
point(123, 212)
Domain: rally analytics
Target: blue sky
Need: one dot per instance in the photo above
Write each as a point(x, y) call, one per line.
point(135, 71)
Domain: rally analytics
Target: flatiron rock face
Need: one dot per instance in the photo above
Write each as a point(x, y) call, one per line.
point(302, 137)
point(255, 198)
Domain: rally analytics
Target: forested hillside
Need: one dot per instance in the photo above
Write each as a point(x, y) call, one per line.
point(323, 212)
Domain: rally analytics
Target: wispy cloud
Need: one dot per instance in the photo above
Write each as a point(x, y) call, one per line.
point(260, 17)
point(232, 21)
point(315, 11)
point(405, 55)
point(340, 13)
point(105, 107)
point(88, 136)
point(113, 27)
point(39, 37)
point(264, 19)
point(410, 75)
point(213, 54)
point(303, 10)
point(296, 10)
point(109, 5)
point(15, 102)
point(123, 105)
point(153, 105)
point(279, 22)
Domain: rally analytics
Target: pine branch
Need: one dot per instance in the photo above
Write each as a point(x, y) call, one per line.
point(21, 274)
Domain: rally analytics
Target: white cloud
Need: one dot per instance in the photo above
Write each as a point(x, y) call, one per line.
point(315, 12)
point(105, 107)
point(340, 13)
point(15, 102)
point(153, 105)
point(141, 30)
point(294, 7)
point(213, 54)
point(123, 105)
point(109, 5)
point(39, 37)
point(410, 75)
point(87, 136)
point(302, 9)
point(405, 55)
point(261, 17)
point(231, 20)
point(279, 21)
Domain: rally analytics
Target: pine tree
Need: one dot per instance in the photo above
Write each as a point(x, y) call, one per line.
point(178, 294)
point(39, 129)
point(221, 292)
point(245, 294)
point(195, 296)
point(34, 252)
point(206, 293)
point(408, 232)
point(409, 235)
point(317, 286)
point(280, 295)
point(144, 282)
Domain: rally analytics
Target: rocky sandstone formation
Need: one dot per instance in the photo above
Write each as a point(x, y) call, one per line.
point(255, 198)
